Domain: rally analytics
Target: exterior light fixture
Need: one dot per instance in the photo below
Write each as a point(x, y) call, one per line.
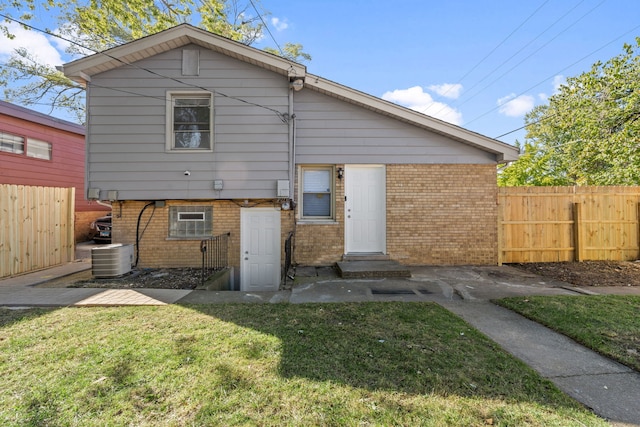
point(340, 173)
point(296, 84)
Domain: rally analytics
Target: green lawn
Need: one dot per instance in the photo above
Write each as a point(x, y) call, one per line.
point(374, 364)
point(607, 324)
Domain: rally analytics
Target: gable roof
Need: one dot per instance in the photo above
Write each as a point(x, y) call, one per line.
point(83, 69)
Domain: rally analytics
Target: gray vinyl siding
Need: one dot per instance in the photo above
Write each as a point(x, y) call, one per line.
point(331, 131)
point(126, 139)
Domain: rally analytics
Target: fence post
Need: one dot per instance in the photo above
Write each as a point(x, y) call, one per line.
point(578, 240)
point(500, 226)
point(71, 224)
point(638, 218)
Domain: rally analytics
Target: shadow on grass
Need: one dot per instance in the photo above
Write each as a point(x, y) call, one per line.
point(414, 348)
point(10, 316)
point(242, 364)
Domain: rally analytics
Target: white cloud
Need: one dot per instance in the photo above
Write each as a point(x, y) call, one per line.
point(557, 82)
point(37, 44)
point(447, 90)
point(513, 106)
point(279, 24)
point(416, 99)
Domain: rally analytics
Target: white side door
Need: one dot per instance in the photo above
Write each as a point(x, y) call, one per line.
point(365, 209)
point(260, 249)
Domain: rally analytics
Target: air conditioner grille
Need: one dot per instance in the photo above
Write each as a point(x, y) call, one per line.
point(111, 260)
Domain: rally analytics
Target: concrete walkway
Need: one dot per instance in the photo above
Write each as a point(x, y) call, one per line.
point(611, 390)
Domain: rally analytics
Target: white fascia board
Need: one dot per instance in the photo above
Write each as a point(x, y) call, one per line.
point(174, 38)
point(504, 152)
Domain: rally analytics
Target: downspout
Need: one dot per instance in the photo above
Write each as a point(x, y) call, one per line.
point(292, 144)
point(292, 170)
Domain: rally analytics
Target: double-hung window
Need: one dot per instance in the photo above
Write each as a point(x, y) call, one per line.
point(189, 121)
point(317, 193)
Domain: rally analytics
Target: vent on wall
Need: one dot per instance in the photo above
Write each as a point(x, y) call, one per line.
point(111, 260)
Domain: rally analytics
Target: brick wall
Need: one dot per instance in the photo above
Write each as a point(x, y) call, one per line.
point(322, 243)
point(157, 250)
point(442, 214)
point(436, 214)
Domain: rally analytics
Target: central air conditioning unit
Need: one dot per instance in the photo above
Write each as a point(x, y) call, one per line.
point(111, 260)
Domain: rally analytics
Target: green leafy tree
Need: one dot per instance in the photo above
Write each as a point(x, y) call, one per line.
point(589, 133)
point(97, 25)
point(292, 52)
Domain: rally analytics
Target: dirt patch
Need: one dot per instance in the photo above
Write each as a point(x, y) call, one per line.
point(588, 273)
point(163, 278)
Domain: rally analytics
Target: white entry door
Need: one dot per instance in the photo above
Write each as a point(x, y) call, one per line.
point(365, 209)
point(260, 249)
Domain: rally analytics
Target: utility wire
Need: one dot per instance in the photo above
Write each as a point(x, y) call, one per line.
point(492, 51)
point(522, 49)
point(159, 75)
point(540, 120)
point(554, 115)
point(529, 56)
point(282, 54)
point(558, 72)
point(267, 28)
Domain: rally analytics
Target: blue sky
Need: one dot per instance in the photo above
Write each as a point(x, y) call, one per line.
point(479, 64)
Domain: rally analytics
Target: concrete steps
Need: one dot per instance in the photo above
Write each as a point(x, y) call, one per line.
point(371, 268)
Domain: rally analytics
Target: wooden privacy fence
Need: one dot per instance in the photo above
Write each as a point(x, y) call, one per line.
point(550, 224)
point(36, 228)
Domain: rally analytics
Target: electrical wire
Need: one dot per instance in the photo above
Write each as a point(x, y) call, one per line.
point(542, 119)
point(280, 115)
point(267, 28)
point(138, 234)
point(282, 54)
point(558, 72)
point(468, 90)
point(527, 57)
point(492, 51)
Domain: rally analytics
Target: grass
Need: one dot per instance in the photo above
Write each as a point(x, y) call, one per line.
point(369, 364)
point(608, 324)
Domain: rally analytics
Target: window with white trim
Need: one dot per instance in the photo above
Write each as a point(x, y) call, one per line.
point(190, 221)
point(317, 188)
point(189, 121)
